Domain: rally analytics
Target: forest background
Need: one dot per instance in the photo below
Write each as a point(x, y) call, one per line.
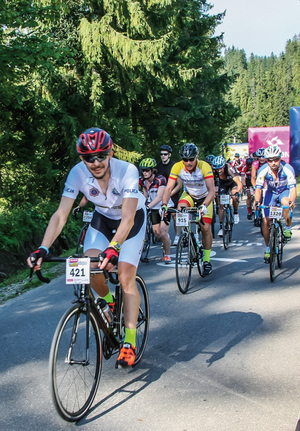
point(150, 72)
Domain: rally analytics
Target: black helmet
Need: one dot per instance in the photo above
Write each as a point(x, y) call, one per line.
point(249, 161)
point(188, 151)
point(166, 148)
point(94, 141)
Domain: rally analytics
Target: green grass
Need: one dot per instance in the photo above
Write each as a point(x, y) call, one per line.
point(21, 280)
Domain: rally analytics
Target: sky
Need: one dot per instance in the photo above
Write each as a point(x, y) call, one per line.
point(258, 26)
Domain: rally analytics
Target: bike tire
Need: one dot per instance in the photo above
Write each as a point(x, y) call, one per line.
point(231, 222)
point(146, 244)
point(200, 265)
point(74, 382)
point(226, 228)
point(143, 321)
point(280, 243)
point(142, 327)
point(272, 244)
point(183, 264)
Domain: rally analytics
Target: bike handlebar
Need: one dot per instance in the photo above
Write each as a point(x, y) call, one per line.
point(185, 209)
point(108, 275)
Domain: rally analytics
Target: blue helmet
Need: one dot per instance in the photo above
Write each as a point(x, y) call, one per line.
point(218, 162)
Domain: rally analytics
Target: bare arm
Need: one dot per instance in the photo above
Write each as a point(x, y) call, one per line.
point(253, 176)
point(158, 197)
point(55, 226)
point(178, 186)
point(210, 184)
point(168, 190)
point(239, 184)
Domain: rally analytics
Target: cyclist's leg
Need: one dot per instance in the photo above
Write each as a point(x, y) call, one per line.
point(284, 199)
point(207, 239)
point(164, 233)
point(269, 199)
point(235, 204)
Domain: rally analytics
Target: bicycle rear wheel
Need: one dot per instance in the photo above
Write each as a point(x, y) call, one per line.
point(226, 228)
point(75, 376)
point(142, 327)
point(146, 245)
point(183, 264)
point(200, 264)
point(272, 244)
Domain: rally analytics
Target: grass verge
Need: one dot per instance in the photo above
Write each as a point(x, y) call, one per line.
point(20, 283)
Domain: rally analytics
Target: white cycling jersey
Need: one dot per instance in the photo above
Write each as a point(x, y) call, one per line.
point(123, 183)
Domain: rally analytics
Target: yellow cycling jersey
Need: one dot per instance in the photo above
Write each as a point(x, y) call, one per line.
point(194, 182)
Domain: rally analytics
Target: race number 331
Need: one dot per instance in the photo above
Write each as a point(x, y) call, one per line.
point(78, 270)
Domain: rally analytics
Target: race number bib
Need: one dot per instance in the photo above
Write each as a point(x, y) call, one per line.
point(78, 270)
point(182, 219)
point(275, 212)
point(87, 216)
point(224, 199)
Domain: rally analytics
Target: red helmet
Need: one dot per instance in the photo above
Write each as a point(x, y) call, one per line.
point(94, 141)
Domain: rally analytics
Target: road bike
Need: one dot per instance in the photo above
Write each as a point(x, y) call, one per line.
point(277, 240)
point(189, 250)
point(86, 332)
point(147, 239)
point(228, 219)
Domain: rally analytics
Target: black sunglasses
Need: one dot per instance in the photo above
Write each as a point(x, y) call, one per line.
point(90, 158)
point(146, 170)
point(164, 154)
point(191, 159)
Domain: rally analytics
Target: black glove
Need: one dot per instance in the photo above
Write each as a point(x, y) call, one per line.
point(111, 254)
point(40, 252)
point(76, 211)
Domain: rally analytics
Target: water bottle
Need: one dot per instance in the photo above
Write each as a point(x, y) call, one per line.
point(106, 310)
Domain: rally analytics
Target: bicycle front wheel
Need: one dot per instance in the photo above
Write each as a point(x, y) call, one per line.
point(226, 228)
point(183, 264)
point(272, 244)
point(280, 242)
point(75, 363)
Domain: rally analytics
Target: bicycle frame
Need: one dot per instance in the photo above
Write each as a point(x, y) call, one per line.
point(227, 218)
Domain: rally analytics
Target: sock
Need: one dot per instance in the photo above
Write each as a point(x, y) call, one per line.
point(288, 227)
point(109, 298)
point(249, 210)
point(268, 250)
point(130, 336)
point(221, 225)
point(206, 256)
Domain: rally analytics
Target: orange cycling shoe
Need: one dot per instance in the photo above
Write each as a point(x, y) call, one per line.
point(126, 356)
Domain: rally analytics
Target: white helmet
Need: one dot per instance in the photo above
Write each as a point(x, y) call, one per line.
point(272, 152)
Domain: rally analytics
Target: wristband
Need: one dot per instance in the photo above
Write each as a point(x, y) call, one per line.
point(44, 248)
point(116, 245)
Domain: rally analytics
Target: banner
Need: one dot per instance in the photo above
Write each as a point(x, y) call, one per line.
point(231, 149)
point(263, 137)
point(295, 138)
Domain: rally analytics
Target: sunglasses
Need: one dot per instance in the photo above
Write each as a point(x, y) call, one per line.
point(90, 158)
point(146, 170)
point(164, 154)
point(191, 159)
point(273, 160)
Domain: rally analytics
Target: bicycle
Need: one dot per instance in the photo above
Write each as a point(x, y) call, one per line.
point(228, 220)
point(277, 240)
point(86, 332)
point(188, 252)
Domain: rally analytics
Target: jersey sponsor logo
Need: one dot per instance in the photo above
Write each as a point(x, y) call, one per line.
point(68, 190)
point(115, 192)
point(94, 192)
point(130, 191)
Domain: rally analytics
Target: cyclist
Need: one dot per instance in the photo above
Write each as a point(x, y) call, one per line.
point(280, 188)
point(228, 180)
point(257, 164)
point(164, 168)
point(238, 164)
point(209, 159)
point(198, 181)
point(118, 226)
point(247, 172)
point(153, 186)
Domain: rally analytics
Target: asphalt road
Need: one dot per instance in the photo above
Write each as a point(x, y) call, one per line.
point(225, 356)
